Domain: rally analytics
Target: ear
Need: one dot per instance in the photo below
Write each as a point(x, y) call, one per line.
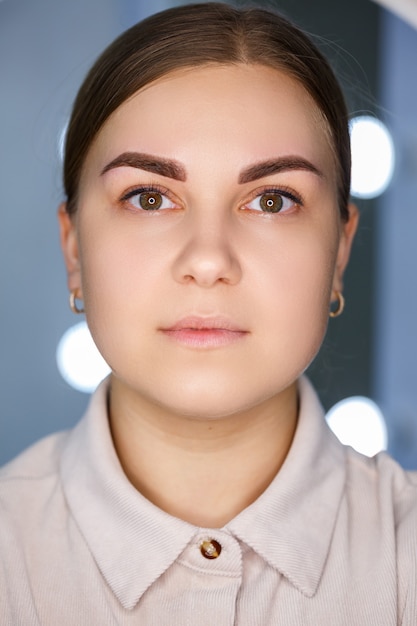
point(345, 244)
point(70, 249)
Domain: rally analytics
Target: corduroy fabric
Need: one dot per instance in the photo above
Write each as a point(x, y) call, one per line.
point(332, 541)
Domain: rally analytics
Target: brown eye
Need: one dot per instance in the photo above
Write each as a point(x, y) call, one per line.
point(271, 202)
point(150, 200)
point(274, 201)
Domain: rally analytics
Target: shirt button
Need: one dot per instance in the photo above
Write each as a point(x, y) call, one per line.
point(210, 549)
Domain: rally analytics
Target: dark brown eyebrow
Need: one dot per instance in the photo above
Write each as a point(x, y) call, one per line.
point(173, 169)
point(149, 163)
point(274, 166)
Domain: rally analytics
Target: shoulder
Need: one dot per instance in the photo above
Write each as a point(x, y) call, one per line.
point(392, 488)
point(403, 487)
point(30, 493)
point(382, 500)
point(36, 462)
point(379, 484)
point(27, 481)
point(34, 521)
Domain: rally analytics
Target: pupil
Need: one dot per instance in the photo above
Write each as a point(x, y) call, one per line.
point(150, 200)
point(271, 203)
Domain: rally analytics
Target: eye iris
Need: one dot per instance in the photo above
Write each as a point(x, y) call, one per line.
point(150, 200)
point(271, 202)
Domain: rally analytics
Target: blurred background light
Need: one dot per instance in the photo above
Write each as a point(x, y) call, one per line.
point(373, 156)
point(358, 422)
point(79, 361)
point(61, 141)
point(407, 9)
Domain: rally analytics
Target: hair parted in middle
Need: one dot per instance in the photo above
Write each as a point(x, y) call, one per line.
point(196, 35)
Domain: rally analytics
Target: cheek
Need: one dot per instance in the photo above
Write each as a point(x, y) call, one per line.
point(300, 264)
point(118, 277)
point(297, 284)
point(115, 255)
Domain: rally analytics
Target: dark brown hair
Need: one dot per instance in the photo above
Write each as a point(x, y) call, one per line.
point(197, 35)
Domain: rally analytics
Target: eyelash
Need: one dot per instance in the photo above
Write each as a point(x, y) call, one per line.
point(284, 192)
point(137, 191)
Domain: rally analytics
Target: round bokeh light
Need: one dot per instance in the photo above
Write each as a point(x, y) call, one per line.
point(373, 156)
point(79, 362)
point(358, 422)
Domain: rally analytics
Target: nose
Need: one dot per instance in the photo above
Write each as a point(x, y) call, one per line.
point(207, 256)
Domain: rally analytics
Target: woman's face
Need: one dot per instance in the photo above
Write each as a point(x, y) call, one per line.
point(208, 240)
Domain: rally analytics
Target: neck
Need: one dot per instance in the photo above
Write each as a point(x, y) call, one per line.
point(202, 471)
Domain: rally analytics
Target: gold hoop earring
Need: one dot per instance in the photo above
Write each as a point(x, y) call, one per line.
point(73, 302)
point(340, 305)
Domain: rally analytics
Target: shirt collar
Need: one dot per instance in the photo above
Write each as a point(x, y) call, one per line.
point(133, 542)
point(291, 524)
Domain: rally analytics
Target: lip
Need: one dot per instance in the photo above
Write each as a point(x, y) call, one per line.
point(205, 332)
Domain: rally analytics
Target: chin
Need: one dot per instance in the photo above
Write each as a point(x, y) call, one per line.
point(213, 402)
point(209, 405)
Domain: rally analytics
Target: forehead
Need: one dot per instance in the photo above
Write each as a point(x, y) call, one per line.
point(249, 112)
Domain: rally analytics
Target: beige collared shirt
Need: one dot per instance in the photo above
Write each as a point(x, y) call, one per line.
point(332, 541)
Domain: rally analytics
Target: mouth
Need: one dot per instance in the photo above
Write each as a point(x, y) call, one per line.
point(205, 332)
